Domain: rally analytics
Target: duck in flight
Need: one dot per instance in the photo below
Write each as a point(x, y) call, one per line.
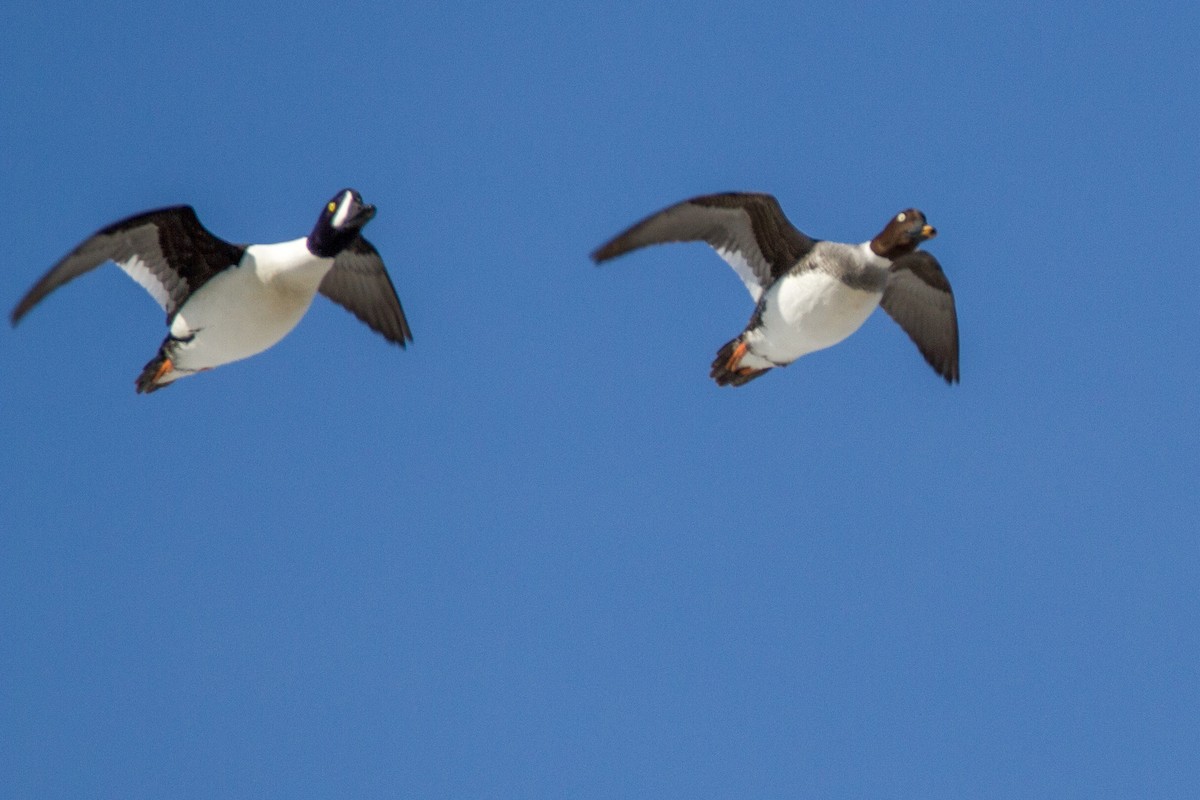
point(225, 302)
point(809, 294)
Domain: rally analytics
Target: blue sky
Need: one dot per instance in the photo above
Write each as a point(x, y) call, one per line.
point(540, 553)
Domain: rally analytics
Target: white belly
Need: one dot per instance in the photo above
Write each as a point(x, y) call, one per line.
point(234, 316)
point(805, 313)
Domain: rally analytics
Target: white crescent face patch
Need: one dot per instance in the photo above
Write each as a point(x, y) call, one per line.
point(343, 209)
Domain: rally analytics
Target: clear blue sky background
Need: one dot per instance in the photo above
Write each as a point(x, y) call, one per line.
point(540, 554)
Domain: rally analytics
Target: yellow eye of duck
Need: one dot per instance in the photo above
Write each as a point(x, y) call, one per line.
point(899, 217)
point(332, 206)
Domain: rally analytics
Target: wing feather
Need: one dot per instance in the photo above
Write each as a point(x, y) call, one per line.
point(748, 230)
point(918, 297)
point(167, 251)
point(359, 283)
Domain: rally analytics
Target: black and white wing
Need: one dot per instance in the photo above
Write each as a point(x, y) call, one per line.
point(919, 299)
point(359, 283)
point(748, 230)
point(167, 251)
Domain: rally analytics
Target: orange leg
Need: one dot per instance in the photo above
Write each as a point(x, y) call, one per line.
point(736, 357)
point(166, 366)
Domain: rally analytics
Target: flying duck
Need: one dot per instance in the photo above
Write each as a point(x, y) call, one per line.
point(810, 294)
point(226, 302)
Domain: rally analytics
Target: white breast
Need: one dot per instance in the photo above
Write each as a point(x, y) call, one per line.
point(808, 312)
point(248, 308)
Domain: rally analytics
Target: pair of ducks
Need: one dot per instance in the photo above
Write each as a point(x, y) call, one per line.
point(225, 302)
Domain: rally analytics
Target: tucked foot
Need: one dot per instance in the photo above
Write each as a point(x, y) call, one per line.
point(158, 373)
point(727, 369)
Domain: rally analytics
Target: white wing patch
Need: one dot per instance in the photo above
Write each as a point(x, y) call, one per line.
point(136, 268)
point(743, 269)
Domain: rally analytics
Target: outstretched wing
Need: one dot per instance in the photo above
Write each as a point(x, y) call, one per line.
point(359, 283)
point(748, 230)
point(919, 298)
point(167, 251)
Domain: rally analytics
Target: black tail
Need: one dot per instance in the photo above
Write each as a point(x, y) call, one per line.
point(725, 370)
